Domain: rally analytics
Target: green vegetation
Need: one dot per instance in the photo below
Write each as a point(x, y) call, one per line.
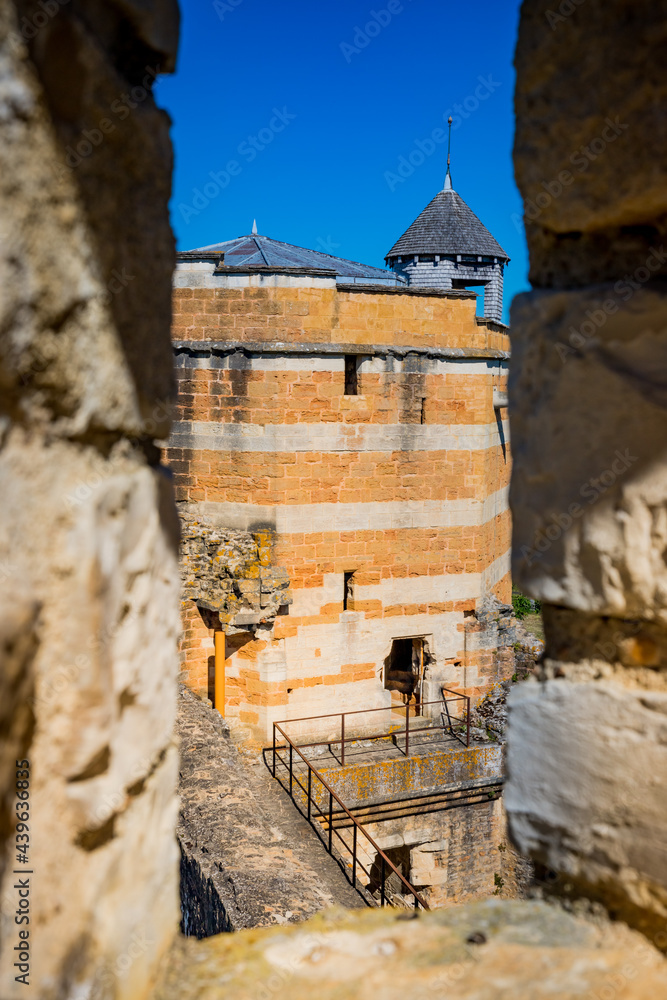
point(524, 605)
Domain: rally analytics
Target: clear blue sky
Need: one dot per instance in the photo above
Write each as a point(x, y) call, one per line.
point(323, 171)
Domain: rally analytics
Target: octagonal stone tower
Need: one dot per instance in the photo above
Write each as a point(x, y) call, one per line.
point(448, 247)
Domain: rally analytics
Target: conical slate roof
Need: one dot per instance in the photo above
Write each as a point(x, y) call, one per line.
point(261, 251)
point(447, 226)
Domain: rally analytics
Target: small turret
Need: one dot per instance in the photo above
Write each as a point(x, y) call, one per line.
point(447, 246)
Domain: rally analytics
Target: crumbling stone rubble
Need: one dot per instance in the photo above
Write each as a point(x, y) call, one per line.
point(488, 718)
point(231, 573)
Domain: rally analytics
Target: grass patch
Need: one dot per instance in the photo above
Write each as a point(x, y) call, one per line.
point(533, 623)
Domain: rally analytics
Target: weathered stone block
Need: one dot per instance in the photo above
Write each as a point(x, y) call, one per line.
point(588, 388)
point(590, 155)
point(524, 950)
point(88, 534)
point(114, 288)
point(428, 863)
point(89, 539)
point(587, 791)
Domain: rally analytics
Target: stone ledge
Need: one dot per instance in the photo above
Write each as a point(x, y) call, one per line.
point(329, 347)
point(588, 420)
point(441, 293)
point(493, 950)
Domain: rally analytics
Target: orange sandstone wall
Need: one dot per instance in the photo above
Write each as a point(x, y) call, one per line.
point(403, 484)
point(314, 477)
point(284, 396)
point(330, 315)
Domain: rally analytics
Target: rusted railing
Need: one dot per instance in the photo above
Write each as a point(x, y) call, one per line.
point(447, 721)
point(450, 719)
point(327, 817)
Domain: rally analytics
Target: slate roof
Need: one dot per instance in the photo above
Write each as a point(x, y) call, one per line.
point(447, 226)
point(261, 251)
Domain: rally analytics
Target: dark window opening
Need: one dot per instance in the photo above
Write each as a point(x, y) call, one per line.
point(348, 590)
point(404, 671)
point(351, 378)
point(400, 857)
point(423, 410)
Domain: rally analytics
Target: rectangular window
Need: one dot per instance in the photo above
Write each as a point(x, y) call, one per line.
point(347, 590)
point(423, 412)
point(351, 379)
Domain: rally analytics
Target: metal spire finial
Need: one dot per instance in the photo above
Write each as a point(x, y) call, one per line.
point(448, 175)
point(254, 227)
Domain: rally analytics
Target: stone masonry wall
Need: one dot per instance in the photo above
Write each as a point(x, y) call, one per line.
point(450, 856)
point(388, 505)
point(587, 794)
point(89, 534)
point(327, 314)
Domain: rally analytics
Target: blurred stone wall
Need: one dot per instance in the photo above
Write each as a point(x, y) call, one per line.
point(88, 535)
point(587, 794)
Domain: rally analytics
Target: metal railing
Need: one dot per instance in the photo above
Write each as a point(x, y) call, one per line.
point(447, 721)
point(328, 820)
point(450, 720)
point(326, 812)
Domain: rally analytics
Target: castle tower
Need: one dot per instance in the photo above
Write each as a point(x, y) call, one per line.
point(448, 247)
point(354, 423)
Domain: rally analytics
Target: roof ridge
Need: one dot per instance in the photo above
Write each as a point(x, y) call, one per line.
point(257, 244)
